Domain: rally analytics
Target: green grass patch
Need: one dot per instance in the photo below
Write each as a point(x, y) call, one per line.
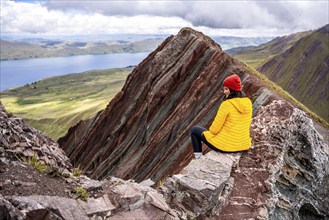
point(81, 193)
point(77, 171)
point(55, 104)
point(37, 164)
point(257, 56)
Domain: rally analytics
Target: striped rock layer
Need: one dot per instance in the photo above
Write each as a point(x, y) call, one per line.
point(144, 132)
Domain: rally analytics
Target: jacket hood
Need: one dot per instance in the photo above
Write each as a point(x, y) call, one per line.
point(243, 105)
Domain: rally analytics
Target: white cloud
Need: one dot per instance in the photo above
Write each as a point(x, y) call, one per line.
point(38, 19)
point(239, 18)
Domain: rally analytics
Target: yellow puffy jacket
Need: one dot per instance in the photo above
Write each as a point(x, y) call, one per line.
point(230, 130)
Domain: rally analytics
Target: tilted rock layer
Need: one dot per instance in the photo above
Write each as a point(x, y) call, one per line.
point(144, 131)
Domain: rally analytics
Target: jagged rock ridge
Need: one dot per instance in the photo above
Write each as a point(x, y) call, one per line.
point(144, 131)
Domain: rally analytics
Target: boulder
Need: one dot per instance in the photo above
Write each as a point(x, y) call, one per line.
point(134, 200)
point(202, 187)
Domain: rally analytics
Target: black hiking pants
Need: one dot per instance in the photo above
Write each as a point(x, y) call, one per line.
point(197, 137)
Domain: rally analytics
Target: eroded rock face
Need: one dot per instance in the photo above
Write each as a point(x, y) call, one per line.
point(302, 168)
point(21, 141)
point(144, 131)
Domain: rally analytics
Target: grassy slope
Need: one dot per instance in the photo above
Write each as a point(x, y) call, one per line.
point(270, 84)
point(256, 56)
point(57, 103)
point(299, 70)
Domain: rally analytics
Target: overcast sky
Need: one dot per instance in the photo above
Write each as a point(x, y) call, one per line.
point(226, 18)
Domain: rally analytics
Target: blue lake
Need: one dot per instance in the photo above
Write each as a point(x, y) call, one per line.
point(15, 73)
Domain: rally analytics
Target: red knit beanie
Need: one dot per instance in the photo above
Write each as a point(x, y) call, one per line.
point(233, 82)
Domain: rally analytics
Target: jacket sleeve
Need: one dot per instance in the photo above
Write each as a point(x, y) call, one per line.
point(220, 118)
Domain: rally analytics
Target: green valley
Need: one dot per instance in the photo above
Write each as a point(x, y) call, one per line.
point(54, 104)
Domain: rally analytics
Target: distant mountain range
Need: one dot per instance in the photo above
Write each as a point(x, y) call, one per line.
point(15, 47)
point(229, 42)
point(51, 48)
point(299, 63)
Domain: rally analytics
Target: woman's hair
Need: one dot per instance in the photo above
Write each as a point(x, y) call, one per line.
point(234, 94)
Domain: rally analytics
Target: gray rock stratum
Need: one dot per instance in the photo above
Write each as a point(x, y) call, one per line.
point(121, 200)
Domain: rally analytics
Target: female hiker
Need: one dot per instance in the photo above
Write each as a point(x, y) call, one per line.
point(230, 130)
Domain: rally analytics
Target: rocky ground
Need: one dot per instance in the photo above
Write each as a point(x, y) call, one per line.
point(287, 165)
point(22, 150)
point(37, 181)
point(21, 179)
